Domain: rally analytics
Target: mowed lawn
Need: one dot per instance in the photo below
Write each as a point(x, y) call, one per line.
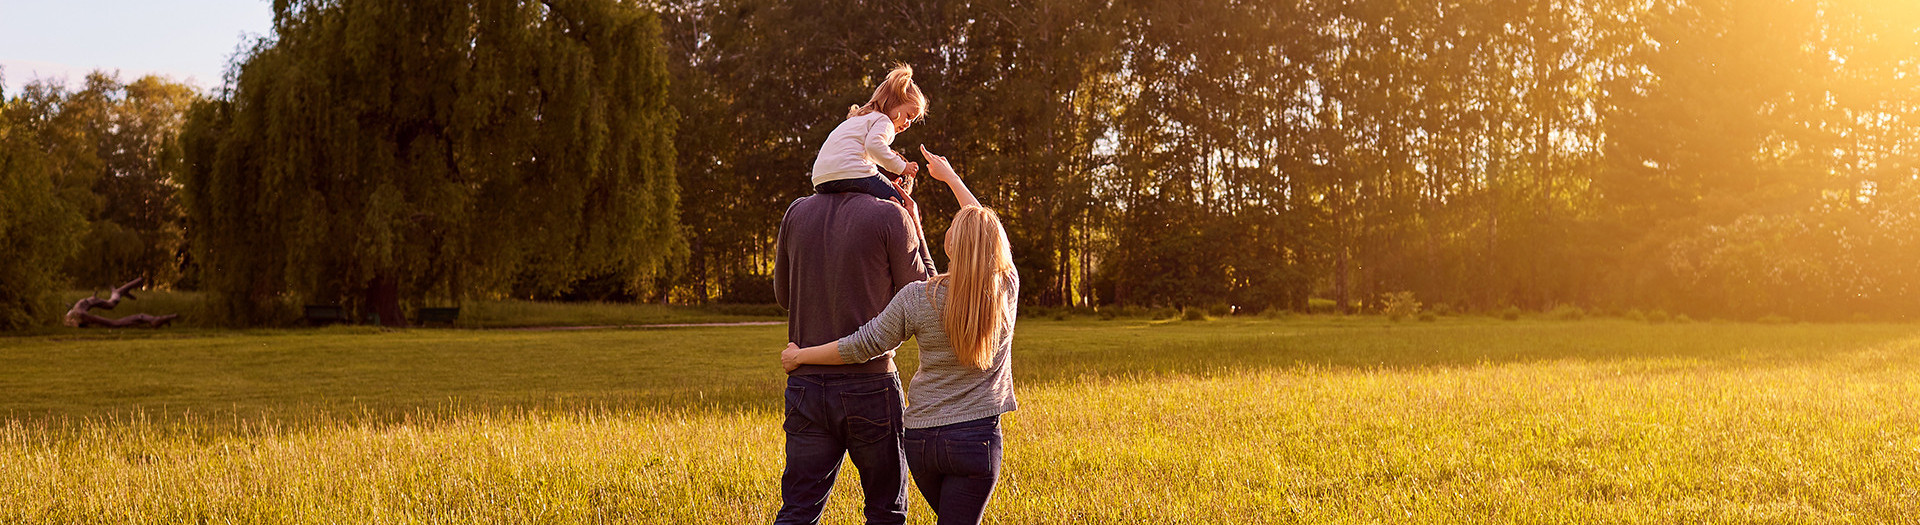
point(1312, 420)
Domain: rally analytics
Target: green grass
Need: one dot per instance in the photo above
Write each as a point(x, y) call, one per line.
point(1308, 420)
point(515, 313)
point(479, 313)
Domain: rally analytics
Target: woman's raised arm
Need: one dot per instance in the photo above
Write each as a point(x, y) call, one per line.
point(943, 171)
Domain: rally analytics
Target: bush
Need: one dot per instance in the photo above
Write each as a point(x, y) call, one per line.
point(1682, 319)
point(1070, 312)
point(1657, 317)
point(1322, 306)
point(1510, 313)
point(1041, 312)
point(1427, 317)
point(1399, 305)
point(1195, 314)
point(1567, 312)
point(1164, 313)
point(1635, 315)
point(745, 289)
point(1441, 309)
point(1220, 310)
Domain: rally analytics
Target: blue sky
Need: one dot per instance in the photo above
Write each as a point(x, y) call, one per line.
point(189, 40)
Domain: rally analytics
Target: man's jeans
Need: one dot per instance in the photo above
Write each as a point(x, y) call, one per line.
point(830, 416)
point(956, 466)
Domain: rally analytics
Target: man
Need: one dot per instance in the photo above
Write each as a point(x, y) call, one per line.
point(840, 259)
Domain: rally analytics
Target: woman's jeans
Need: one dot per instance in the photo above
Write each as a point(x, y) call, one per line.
point(955, 467)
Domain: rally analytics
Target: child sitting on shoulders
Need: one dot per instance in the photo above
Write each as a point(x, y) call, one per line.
point(851, 159)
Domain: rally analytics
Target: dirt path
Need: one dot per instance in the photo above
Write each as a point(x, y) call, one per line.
point(628, 326)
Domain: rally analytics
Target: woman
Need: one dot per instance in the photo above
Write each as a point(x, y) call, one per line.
point(964, 320)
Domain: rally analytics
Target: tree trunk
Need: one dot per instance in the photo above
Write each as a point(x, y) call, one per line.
point(383, 296)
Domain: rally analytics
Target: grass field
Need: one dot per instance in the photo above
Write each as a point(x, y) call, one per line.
point(478, 313)
point(1311, 420)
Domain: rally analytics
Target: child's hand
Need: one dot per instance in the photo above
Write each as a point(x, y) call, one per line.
point(939, 167)
point(906, 181)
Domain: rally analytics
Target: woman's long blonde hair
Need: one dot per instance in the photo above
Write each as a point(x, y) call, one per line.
point(896, 91)
point(979, 267)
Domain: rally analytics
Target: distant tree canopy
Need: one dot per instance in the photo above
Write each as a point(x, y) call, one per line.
point(373, 153)
point(1720, 157)
point(1734, 158)
point(39, 225)
point(103, 154)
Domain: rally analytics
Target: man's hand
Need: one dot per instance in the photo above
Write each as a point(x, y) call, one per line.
point(790, 358)
point(905, 187)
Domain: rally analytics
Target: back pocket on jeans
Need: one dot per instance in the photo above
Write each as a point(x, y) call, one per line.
point(870, 415)
point(796, 421)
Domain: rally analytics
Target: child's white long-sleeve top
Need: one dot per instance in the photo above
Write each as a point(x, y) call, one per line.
point(855, 147)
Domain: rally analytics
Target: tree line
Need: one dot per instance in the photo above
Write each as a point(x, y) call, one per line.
point(1716, 157)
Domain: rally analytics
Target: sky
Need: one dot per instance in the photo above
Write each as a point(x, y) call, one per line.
point(188, 40)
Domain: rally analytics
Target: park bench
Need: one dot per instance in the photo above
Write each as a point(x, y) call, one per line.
point(325, 314)
point(437, 315)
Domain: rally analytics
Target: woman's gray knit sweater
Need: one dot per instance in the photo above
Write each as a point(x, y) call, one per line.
point(944, 390)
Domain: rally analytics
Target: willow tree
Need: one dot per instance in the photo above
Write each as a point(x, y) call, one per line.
point(373, 153)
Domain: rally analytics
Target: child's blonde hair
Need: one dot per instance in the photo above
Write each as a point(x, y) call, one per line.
point(980, 265)
point(898, 90)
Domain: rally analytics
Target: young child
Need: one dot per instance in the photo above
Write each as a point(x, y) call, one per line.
point(851, 159)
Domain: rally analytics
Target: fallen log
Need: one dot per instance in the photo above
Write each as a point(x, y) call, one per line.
point(81, 315)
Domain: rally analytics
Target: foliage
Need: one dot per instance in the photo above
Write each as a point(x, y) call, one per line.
point(371, 154)
point(128, 138)
point(1399, 305)
point(1322, 306)
point(40, 222)
point(1658, 317)
point(1261, 153)
point(1718, 157)
point(1195, 314)
point(1567, 312)
point(1510, 313)
point(108, 149)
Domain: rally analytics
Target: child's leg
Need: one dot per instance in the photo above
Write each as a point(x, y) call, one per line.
point(876, 186)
